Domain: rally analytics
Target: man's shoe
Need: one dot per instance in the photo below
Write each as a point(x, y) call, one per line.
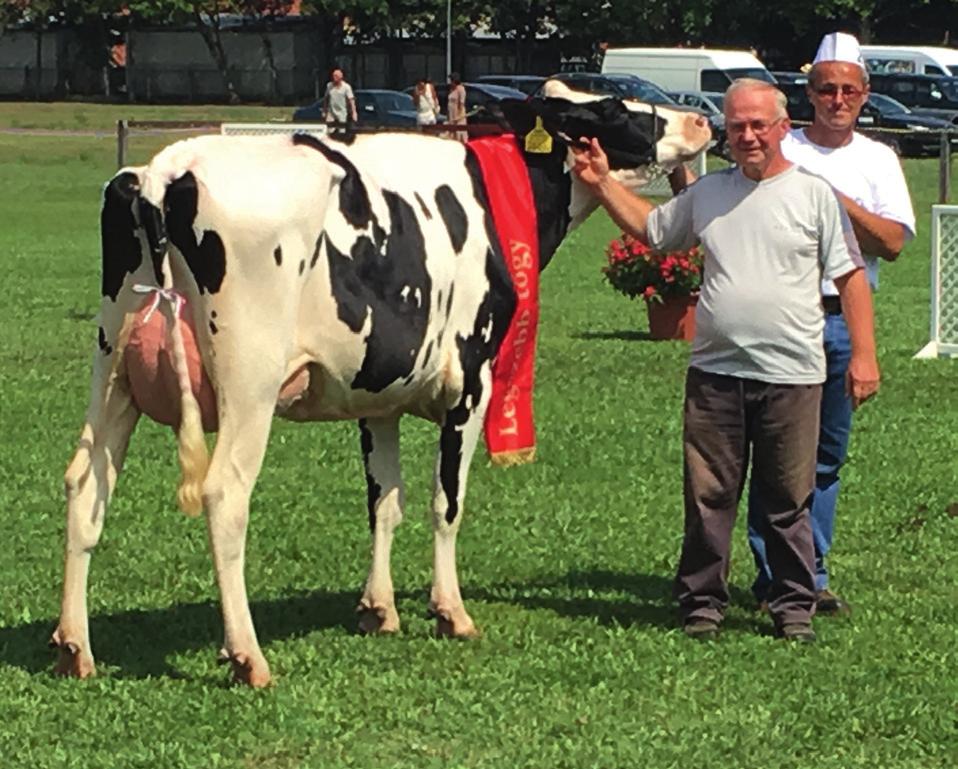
point(701, 629)
point(829, 604)
point(799, 632)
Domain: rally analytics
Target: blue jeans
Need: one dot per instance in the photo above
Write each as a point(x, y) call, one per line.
point(836, 425)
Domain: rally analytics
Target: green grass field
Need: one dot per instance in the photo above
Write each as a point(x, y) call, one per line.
point(566, 564)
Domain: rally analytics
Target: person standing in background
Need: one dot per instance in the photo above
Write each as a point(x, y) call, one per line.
point(868, 180)
point(426, 101)
point(339, 104)
point(456, 105)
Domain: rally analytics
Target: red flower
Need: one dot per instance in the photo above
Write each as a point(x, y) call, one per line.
point(636, 270)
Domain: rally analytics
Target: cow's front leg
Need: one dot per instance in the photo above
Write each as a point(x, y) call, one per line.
point(89, 482)
point(379, 439)
point(460, 433)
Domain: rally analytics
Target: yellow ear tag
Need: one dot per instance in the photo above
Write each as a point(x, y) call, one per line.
point(538, 140)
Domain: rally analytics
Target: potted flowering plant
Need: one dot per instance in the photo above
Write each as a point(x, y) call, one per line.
point(668, 282)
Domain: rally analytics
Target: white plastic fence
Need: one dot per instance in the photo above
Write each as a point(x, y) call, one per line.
point(944, 284)
point(658, 184)
point(268, 129)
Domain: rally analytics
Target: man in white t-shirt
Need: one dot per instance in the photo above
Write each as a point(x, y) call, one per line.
point(770, 232)
point(339, 104)
point(868, 179)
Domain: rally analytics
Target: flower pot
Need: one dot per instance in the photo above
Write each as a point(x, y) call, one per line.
point(673, 317)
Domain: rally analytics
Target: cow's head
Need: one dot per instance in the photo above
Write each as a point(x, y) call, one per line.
point(634, 135)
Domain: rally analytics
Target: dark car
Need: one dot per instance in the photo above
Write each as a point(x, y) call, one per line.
point(373, 107)
point(925, 94)
point(528, 84)
point(621, 86)
point(924, 131)
point(794, 78)
point(710, 103)
point(793, 85)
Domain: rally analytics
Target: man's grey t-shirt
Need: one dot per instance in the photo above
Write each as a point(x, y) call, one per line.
point(337, 98)
point(767, 244)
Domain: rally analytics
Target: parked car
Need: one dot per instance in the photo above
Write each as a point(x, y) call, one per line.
point(924, 130)
point(710, 103)
point(925, 94)
point(373, 107)
point(528, 84)
point(793, 85)
point(686, 69)
point(920, 60)
point(621, 86)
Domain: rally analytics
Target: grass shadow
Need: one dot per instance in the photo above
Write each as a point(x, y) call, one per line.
point(139, 642)
point(626, 335)
point(610, 598)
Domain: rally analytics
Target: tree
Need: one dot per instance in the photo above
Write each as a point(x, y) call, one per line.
point(206, 15)
point(265, 12)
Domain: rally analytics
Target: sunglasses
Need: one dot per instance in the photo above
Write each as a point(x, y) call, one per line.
point(830, 91)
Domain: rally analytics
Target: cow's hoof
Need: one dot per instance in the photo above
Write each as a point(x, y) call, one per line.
point(454, 624)
point(248, 669)
point(72, 662)
point(377, 620)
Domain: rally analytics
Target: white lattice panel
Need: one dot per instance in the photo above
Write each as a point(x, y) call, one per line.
point(268, 129)
point(947, 247)
point(944, 283)
point(658, 184)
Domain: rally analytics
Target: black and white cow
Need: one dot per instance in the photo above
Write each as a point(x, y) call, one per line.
point(358, 280)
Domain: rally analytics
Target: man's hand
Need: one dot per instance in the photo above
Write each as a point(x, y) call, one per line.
point(591, 163)
point(862, 379)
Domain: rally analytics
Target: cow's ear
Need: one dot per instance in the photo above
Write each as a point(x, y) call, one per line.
point(534, 125)
point(520, 114)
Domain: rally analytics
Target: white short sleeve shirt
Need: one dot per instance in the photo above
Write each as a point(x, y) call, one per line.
point(864, 170)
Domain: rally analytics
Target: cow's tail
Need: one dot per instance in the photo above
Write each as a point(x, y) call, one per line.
point(191, 444)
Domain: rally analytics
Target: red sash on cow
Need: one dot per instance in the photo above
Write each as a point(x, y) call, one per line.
point(509, 428)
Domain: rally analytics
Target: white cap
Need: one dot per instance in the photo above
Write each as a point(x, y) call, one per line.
point(840, 46)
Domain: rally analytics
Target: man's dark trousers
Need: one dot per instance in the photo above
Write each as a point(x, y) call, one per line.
point(725, 418)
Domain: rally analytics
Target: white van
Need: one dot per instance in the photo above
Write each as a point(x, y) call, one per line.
point(917, 60)
point(685, 69)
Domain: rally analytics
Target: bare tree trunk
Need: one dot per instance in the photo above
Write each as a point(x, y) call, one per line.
point(211, 36)
point(37, 85)
point(270, 64)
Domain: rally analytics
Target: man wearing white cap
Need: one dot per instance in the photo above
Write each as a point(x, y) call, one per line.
point(869, 181)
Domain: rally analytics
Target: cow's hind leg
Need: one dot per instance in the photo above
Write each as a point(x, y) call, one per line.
point(385, 498)
point(460, 433)
point(90, 479)
point(234, 467)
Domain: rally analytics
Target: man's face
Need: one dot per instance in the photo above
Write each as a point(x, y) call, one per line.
point(337, 76)
point(837, 91)
point(755, 127)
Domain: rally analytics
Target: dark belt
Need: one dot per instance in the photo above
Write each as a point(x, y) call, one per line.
point(832, 305)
